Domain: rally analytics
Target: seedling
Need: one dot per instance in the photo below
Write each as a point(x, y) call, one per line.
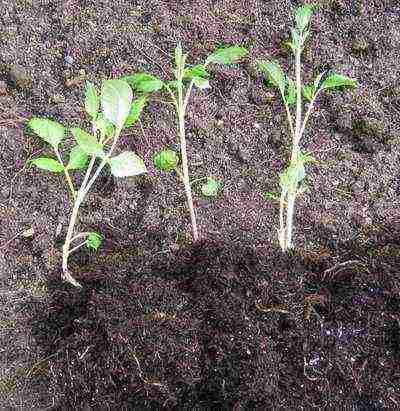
point(179, 89)
point(292, 178)
point(118, 111)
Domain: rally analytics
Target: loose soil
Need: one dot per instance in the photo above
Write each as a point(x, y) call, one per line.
point(229, 322)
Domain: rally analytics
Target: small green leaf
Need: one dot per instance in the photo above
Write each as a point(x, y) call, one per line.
point(308, 91)
point(305, 157)
point(226, 55)
point(338, 80)
point(211, 188)
point(92, 101)
point(105, 126)
point(201, 83)
point(166, 160)
point(196, 71)
point(49, 164)
point(268, 195)
point(303, 16)
point(290, 92)
point(77, 159)
point(273, 72)
point(87, 142)
point(143, 82)
point(127, 164)
point(178, 54)
point(136, 109)
point(116, 100)
point(94, 240)
point(50, 131)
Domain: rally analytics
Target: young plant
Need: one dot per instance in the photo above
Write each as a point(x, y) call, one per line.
point(179, 89)
point(118, 111)
point(292, 178)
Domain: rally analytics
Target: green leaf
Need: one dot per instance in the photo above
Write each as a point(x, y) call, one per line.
point(143, 82)
point(92, 101)
point(273, 72)
point(308, 91)
point(338, 80)
point(196, 71)
point(201, 83)
point(127, 164)
point(50, 131)
point(303, 16)
point(268, 195)
point(49, 164)
point(94, 240)
point(106, 127)
point(166, 160)
point(290, 93)
point(226, 55)
point(77, 159)
point(116, 100)
point(211, 188)
point(87, 142)
point(305, 157)
point(136, 109)
point(178, 54)
point(293, 175)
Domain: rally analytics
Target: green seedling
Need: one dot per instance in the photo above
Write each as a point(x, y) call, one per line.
point(92, 151)
point(292, 178)
point(179, 89)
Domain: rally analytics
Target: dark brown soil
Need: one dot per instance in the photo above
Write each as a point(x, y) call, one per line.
point(230, 322)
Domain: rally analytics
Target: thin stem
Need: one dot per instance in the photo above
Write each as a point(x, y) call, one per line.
point(66, 275)
point(282, 228)
point(298, 106)
point(84, 189)
point(181, 107)
point(306, 117)
point(289, 117)
point(289, 219)
point(77, 247)
point(67, 176)
point(80, 235)
point(291, 196)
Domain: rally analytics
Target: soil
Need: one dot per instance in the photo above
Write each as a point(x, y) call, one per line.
point(229, 322)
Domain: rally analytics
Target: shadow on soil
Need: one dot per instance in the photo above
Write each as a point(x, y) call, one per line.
point(222, 326)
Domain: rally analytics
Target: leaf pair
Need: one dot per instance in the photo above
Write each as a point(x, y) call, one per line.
point(276, 76)
point(53, 133)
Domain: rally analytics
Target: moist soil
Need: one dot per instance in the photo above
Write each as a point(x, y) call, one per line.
point(229, 322)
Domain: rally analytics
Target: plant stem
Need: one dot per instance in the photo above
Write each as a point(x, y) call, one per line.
point(84, 189)
point(76, 247)
point(67, 176)
point(181, 109)
point(286, 230)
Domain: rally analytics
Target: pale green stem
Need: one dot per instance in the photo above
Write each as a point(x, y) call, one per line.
point(281, 231)
point(77, 247)
point(67, 176)
point(298, 107)
point(306, 117)
point(181, 104)
point(80, 235)
point(291, 194)
point(84, 189)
